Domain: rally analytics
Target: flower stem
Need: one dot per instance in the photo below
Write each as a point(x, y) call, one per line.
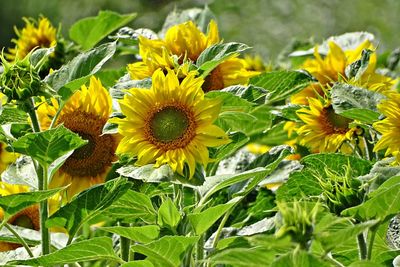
point(20, 239)
point(125, 244)
point(371, 241)
point(362, 246)
point(42, 184)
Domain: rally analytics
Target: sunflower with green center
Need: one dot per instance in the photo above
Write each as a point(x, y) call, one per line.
point(323, 129)
point(389, 127)
point(35, 34)
point(170, 124)
point(28, 217)
point(85, 113)
point(332, 68)
point(186, 42)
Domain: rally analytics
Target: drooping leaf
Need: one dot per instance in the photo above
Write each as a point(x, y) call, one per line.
point(202, 221)
point(87, 205)
point(141, 234)
point(14, 203)
point(355, 102)
point(168, 214)
point(213, 55)
point(89, 31)
point(40, 55)
point(49, 145)
point(281, 84)
point(97, 248)
point(167, 251)
point(77, 72)
point(133, 206)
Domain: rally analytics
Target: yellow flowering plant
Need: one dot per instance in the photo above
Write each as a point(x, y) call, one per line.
point(189, 153)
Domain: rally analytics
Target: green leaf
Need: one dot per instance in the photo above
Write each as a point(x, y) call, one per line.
point(119, 89)
point(357, 68)
point(281, 84)
point(147, 173)
point(202, 221)
point(235, 121)
point(238, 140)
point(39, 56)
point(299, 258)
point(352, 101)
point(97, 248)
point(89, 31)
point(168, 214)
point(380, 172)
point(304, 184)
point(138, 263)
point(213, 55)
point(167, 251)
point(109, 77)
point(22, 171)
point(244, 257)
point(133, 206)
point(250, 93)
point(77, 72)
point(87, 205)
point(141, 234)
point(48, 146)
point(13, 204)
point(230, 102)
point(273, 136)
point(382, 203)
point(13, 115)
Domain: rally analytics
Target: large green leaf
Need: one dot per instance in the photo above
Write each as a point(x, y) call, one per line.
point(167, 251)
point(13, 115)
point(14, 203)
point(141, 234)
point(138, 263)
point(87, 205)
point(305, 184)
point(212, 56)
point(231, 102)
point(250, 93)
point(355, 102)
point(89, 31)
point(299, 258)
point(202, 221)
point(281, 84)
point(244, 257)
point(381, 204)
point(133, 206)
point(97, 248)
point(168, 214)
point(48, 146)
point(77, 72)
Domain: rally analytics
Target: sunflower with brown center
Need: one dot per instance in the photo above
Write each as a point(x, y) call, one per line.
point(323, 129)
point(170, 124)
point(35, 34)
point(187, 42)
point(85, 113)
point(28, 217)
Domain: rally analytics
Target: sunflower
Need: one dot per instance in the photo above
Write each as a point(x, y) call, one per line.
point(34, 34)
point(85, 113)
point(332, 69)
point(170, 124)
point(186, 42)
point(28, 217)
point(255, 63)
point(390, 126)
point(323, 129)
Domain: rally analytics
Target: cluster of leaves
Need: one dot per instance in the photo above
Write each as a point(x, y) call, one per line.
point(148, 216)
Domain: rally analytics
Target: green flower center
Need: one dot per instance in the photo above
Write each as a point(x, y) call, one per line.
point(169, 124)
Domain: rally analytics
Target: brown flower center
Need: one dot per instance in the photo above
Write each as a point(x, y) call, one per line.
point(170, 126)
point(97, 155)
point(28, 218)
point(213, 81)
point(333, 122)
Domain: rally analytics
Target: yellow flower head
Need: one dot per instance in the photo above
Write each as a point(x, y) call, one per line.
point(29, 217)
point(85, 113)
point(332, 69)
point(254, 63)
point(171, 123)
point(390, 126)
point(186, 42)
point(6, 158)
point(323, 129)
point(34, 34)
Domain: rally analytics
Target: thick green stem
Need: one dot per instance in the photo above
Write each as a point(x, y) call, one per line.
point(125, 245)
point(20, 239)
point(200, 243)
point(362, 246)
point(42, 185)
point(371, 241)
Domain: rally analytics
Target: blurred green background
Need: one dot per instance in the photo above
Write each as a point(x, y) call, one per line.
point(266, 25)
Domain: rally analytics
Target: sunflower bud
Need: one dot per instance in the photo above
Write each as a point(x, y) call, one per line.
point(341, 191)
point(19, 80)
point(297, 219)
